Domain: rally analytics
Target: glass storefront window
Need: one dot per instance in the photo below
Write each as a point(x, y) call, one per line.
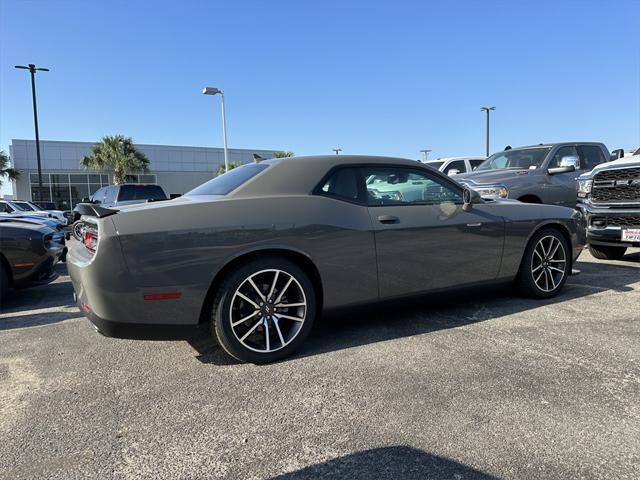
point(60, 195)
point(33, 177)
point(60, 178)
point(147, 178)
point(94, 178)
point(93, 188)
point(105, 179)
point(79, 192)
point(40, 195)
point(76, 178)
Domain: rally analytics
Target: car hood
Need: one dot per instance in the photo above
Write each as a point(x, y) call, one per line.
point(632, 161)
point(491, 177)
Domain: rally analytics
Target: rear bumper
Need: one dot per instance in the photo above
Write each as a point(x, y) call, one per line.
point(607, 235)
point(109, 296)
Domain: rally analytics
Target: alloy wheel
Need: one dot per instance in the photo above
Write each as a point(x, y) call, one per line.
point(548, 263)
point(268, 310)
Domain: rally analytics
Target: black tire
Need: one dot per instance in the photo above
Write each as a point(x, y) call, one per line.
point(604, 252)
point(269, 329)
point(4, 281)
point(536, 271)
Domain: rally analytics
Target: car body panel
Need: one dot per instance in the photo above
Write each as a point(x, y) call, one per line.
point(179, 246)
point(27, 253)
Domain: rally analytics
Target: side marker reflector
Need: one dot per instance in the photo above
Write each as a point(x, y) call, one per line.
point(163, 296)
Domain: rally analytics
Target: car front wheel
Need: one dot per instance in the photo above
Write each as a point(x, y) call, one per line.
point(545, 265)
point(264, 310)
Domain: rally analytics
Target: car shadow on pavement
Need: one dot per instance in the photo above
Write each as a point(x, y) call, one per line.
point(399, 462)
point(357, 326)
point(36, 320)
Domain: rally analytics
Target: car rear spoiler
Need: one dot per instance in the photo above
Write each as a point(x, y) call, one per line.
point(91, 210)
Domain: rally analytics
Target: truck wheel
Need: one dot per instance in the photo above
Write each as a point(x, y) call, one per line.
point(264, 310)
point(604, 252)
point(545, 265)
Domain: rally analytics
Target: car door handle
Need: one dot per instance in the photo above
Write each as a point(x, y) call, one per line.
point(474, 225)
point(388, 219)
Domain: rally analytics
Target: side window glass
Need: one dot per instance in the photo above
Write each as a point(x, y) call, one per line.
point(402, 186)
point(110, 195)
point(562, 152)
point(457, 166)
point(98, 196)
point(474, 163)
point(343, 184)
point(591, 156)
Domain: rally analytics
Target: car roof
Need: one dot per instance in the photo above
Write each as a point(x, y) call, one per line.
point(550, 145)
point(300, 175)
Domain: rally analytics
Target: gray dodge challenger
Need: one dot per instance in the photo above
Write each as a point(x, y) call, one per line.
point(258, 252)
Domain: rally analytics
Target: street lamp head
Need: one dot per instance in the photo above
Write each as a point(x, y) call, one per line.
point(486, 109)
point(211, 91)
point(32, 68)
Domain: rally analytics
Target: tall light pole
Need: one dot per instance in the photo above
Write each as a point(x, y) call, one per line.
point(33, 69)
point(487, 109)
point(425, 155)
point(216, 91)
point(337, 150)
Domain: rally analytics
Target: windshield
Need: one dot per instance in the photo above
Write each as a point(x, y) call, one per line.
point(228, 182)
point(525, 158)
point(25, 207)
point(435, 165)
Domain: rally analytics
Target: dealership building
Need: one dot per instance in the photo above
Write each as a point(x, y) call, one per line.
point(176, 169)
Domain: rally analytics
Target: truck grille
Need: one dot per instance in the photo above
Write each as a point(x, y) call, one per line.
point(617, 186)
point(631, 221)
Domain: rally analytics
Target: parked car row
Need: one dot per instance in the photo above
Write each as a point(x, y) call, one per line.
point(29, 251)
point(258, 252)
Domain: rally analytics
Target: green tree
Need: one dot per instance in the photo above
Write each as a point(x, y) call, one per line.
point(283, 154)
point(5, 171)
point(232, 165)
point(117, 153)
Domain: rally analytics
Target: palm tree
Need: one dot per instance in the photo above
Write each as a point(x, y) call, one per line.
point(283, 154)
point(5, 171)
point(116, 153)
point(222, 170)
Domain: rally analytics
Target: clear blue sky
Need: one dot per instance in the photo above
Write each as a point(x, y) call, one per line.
point(371, 77)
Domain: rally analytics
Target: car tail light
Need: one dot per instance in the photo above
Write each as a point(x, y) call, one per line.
point(90, 240)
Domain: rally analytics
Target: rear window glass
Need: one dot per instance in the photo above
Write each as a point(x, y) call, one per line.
point(228, 182)
point(141, 192)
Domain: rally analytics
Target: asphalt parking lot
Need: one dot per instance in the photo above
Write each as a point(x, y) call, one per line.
point(471, 385)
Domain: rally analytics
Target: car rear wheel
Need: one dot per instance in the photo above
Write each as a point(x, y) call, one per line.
point(264, 310)
point(604, 252)
point(545, 265)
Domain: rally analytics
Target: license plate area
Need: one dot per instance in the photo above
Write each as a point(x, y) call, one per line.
point(631, 235)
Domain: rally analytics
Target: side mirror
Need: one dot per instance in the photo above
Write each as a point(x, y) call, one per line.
point(567, 164)
point(616, 154)
point(469, 197)
point(85, 200)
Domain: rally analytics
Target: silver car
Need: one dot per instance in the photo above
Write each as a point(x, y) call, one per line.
point(259, 252)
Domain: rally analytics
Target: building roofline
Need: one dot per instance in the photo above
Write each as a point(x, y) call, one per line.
point(148, 145)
